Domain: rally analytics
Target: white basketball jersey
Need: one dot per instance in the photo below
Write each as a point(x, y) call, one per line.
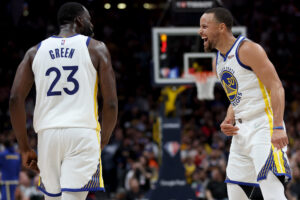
point(245, 91)
point(66, 84)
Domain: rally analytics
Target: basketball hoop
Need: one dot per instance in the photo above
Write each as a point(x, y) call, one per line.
point(205, 82)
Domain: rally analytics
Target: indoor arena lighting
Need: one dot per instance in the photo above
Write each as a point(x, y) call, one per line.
point(107, 6)
point(149, 6)
point(121, 5)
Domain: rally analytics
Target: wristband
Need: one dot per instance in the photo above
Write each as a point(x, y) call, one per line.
point(278, 127)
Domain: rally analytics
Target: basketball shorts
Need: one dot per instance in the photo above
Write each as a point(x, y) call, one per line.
point(252, 155)
point(69, 160)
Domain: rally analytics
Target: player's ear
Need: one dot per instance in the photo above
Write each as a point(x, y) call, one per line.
point(78, 21)
point(222, 27)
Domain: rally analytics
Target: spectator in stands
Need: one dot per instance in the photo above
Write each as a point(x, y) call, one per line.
point(216, 188)
point(134, 192)
point(215, 159)
point(27, 188)
point(199, 183)
point(293, 192)
point(190, 168)
point(141, 172)
point(10, 165)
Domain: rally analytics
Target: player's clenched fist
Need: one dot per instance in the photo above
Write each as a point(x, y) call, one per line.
point(29, 160)
point(228, 128)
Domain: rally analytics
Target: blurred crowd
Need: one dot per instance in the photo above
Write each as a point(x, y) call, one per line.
point(131, 159)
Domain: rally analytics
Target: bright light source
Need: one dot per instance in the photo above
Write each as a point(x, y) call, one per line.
point(163, 37)
point(121, 5)
point(149, 6)
point(107, 6)
point(25, 13)
point(146, 5)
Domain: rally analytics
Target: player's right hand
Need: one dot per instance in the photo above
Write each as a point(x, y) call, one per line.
point(279, 139)
point(29, 160)
point(228, 128)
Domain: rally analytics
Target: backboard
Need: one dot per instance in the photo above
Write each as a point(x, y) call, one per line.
point(178, 51)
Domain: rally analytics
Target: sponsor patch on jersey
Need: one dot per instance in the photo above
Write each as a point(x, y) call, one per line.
point(172, 148)
point(231, 56)
point(63, 42)
point(230, 85)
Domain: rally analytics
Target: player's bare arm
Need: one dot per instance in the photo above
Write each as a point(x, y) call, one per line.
point(102, 61)
point(253, 55)
point(21, 86)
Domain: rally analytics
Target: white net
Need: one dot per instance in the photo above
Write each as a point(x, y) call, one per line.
point(205, 90)
point(205, 83)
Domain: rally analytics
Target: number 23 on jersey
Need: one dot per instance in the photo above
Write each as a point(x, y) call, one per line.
point(70, 78)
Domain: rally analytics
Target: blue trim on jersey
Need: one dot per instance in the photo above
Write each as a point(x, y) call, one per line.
point(38, 46)
point(55, 36)
point(217, 61)
point(49, 194)
point(82, 189)
point(276, 174)
point(270, 166)
point(241, 183)
point(225, 57)
point(286, 165)
point(88, 41)
point(237, 56)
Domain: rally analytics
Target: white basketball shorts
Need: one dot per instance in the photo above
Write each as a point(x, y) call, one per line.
point(69, 160)
point(252, 155)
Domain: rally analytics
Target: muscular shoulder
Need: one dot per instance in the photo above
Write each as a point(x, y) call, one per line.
point(98, 52)
point(32, 51)
point(249, 46)
point(250, 52)
point(97, 46)
point(30, 54)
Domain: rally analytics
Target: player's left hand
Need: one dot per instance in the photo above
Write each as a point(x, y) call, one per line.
point(29, 160)
point(279, 139)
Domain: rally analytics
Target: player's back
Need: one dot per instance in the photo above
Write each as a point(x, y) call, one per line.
point(66, 84)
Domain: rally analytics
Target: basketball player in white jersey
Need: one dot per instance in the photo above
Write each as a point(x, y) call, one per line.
point(255, 116)
point(65, 69)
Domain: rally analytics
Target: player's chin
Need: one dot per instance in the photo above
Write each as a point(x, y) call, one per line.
point(207, 49)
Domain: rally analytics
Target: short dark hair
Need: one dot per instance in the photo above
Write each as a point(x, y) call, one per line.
point(68, 12)
point(222, 15)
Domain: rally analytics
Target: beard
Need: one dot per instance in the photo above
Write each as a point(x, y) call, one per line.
point(87, 31)
point(209, 47)
point(212, 43)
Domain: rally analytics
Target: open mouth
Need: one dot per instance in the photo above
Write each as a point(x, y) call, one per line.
point(205, 39)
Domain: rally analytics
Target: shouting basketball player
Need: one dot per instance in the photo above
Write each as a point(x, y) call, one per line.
point(255, 115)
